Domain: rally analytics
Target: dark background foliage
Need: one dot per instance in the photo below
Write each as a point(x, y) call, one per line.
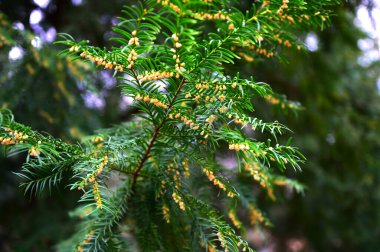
point(338, 130)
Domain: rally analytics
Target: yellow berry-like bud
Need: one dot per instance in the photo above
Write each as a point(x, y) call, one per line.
point(177, 45)
point(175, 37)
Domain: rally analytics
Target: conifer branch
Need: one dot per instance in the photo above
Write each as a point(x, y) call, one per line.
point(154, 137)
point(183, 128)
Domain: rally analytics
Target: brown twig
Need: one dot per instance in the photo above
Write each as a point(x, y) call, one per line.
point(154, 137)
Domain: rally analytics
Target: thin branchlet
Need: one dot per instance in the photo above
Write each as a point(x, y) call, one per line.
point(190, 111)
point(154, 137)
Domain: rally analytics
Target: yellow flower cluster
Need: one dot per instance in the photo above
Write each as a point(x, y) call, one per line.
point(18, 138)
point(98, 170)
point(102, 62)
point(103, 163)
point(216, 95)
point(275, 101)
point(186, 170)
point(179, 66)
point(237, 146)
point(176, 175)
point(260, 177)
point(223, 109)
point(319, 14)
point(222, 240)
point(255, 215)
point(220, 87)
point(132, 57)
point(166, 213)
point(153, 101)
point(284, 6)
point(179, 201)
point(210, 175)
point(154, 75)
point(205, 135)
point(261, 51)
point(211, 119)
point(186, 120)
point(272, 99)
point(246, 57)
point(74, 49)
point(171, 5)
point(305, 16)
point(134, 40)
point(239, 120)
point(176, 39)
point(208, 16)
point(234, 219)
point(97, 197)
point(222, 98)
point(34, 152)
point(202, 86)
point(287, 43)
point(15, 137)
point(98, 141)
point(163, 185)
point(201, 96)
point(87, 239)
point(288, 17)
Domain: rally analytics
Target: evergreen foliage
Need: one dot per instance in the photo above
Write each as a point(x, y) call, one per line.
point(38, 63)
point(148, 184)
point(339, 132)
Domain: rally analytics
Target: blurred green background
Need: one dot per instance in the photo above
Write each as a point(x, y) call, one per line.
point(337, 81)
